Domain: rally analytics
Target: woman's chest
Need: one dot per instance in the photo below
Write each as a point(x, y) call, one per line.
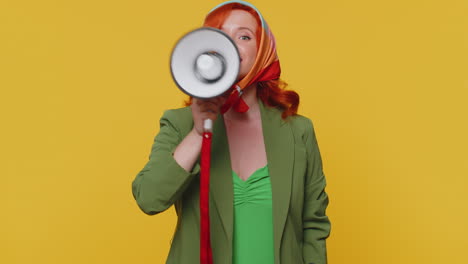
point(246, 148)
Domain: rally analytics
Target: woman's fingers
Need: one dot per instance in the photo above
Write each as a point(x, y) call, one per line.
point(211, 105)
point(215, 101)
point(205, 109)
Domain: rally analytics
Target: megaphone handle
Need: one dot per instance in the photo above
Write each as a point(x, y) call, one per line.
point(208, 125)
point(205, 243)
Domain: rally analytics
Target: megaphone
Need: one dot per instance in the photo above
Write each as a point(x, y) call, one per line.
point(205, 63)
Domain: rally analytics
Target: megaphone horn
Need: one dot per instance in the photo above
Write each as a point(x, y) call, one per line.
point(205, 63)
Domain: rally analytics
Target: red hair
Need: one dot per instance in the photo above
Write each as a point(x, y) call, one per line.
point(274, 94)
point(271, 92)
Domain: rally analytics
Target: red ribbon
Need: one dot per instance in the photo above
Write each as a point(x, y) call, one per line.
point(206, 256)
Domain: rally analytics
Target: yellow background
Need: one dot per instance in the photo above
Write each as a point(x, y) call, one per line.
point(84, 83)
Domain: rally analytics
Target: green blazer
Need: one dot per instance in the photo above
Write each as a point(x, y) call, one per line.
point(301, 225)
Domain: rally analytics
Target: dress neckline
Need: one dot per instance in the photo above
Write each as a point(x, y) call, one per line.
point(260, 171)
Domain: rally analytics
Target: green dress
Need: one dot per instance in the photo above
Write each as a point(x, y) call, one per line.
point(253, 221)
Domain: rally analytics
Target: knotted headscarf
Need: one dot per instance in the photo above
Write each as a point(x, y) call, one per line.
point(266, 66)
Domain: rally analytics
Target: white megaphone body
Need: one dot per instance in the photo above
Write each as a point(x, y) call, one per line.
point(205, 63)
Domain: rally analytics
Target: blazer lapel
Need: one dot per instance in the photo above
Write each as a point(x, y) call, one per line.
point(279, 145)
point(221, 186)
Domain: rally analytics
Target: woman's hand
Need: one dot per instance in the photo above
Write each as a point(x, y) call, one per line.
point(187, 152)
point(205, 109)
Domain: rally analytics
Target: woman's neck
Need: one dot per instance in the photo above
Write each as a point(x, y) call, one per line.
point(250, 98)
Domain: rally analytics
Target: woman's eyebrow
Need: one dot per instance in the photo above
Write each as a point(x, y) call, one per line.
point(239, 28)
point(247, 29)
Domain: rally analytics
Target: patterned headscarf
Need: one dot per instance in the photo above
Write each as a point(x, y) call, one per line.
point(266, 66)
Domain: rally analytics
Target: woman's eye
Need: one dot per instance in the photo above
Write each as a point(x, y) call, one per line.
point(245, 38)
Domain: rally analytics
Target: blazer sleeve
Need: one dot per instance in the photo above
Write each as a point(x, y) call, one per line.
point(316, 224)
point(162, 180)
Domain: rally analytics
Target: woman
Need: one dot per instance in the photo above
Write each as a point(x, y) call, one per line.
point(267, 191)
